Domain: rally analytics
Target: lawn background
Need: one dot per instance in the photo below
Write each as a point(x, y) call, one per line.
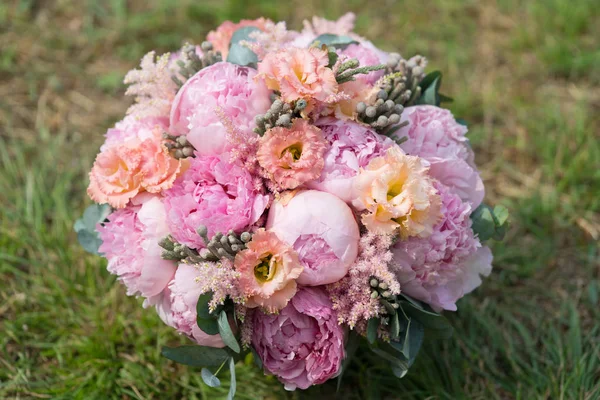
point(525, 75)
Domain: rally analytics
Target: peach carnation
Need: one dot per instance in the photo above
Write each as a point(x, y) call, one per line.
point(299, 74)
point(222, 36)
point(268, 270)
point(121, 172)
point(398, 194)
point(292, 156)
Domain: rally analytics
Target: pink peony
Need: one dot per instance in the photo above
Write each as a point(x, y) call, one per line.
point(292, 156)
point(445, 266)
point(221, 37)
point(130, 243)
point(123, 171)
point(303, 345)
point(299, 74)
point(268, 270)
point(351, 147)
point(184, 293)
point(434, 135)
point(398, 195)
point(215, 193)
point(223, 86)
point(322, 229)
point(133, 127)
point(366, 56)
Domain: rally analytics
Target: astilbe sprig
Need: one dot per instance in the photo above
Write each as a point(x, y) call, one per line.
point(221, 279)
point(152, 86)
point(352, 296)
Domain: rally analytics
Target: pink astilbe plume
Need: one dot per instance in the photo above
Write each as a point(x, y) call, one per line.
point(152, 86)
point(273, 37)
point(221, 279)
point(351, 296)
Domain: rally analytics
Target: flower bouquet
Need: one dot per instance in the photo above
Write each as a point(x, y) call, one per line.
point(288, 193)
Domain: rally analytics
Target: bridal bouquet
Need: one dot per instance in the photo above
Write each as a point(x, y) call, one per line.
point(288, 193)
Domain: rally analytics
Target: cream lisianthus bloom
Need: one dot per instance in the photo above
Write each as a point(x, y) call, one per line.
point(398, 195)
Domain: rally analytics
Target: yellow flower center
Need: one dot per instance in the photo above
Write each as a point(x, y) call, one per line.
point(295, 150)
point(395, 189)
point(265, 270)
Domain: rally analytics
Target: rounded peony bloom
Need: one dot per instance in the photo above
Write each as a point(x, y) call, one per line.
point(351, 147)
point(442, 268)
point(299, 74)
point(221, 37)
point(123, 171)
point(222, 86)
point(303, 345)
point(130, 244)
point(366, 56)
point(323, 231)
point(398, 195)
point(133, 127)
point(292, 156)
point(184, 293)
point(434, 134)
point(268, 270)
point(215, 193)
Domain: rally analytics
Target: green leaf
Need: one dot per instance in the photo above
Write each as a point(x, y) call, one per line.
point(256, 358)
point(351, 347)
point(461, 121)
point(372, 326)
point(232, 384)
point(395, 326)
point(490, 223)
point(430, 86)
point(226, 333)
point(239, 54)
point(210, 379)
point(428, 318)
point(411, 342)
point(196, 356)
point(337, 41)
point(206, 321)
point(333, 57)
point(86, 226)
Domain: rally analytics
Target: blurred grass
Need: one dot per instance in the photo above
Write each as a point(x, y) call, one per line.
point(525, 75)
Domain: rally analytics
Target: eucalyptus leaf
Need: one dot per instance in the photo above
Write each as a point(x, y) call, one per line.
point(430, 86)
point(226, 333)
point(372, 326)
point(256, 358)
point(490, 223)
point(233, 383)
point(85, 227)
point(206, 321)
point(196, 356)
point(239, 54)
point(210, 379)
point(395, 326)
point(331, 40)
point(411, 342)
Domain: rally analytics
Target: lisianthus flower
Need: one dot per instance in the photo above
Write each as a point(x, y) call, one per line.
point(398, 195)
point(434, 135)
point(445, 266)
point(130, 244)
point(226, 87)
point(351, 147)
point(184, 293)
point(299, 74)
point(292, 156)
point(303, 345)
point(323, 231)
point(123, 171)
point(216, 193)
point(221, 37)
point(268, 271)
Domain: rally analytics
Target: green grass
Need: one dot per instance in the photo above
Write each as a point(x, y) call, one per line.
point(525, 75)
